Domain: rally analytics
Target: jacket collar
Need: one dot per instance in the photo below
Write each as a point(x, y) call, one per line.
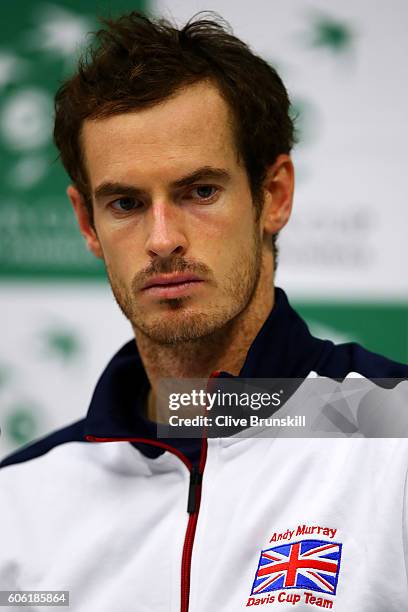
point(283, 348)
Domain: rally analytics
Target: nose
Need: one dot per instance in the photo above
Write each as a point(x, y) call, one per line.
point(165, 235)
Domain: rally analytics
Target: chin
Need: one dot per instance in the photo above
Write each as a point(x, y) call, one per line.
point(179, 325)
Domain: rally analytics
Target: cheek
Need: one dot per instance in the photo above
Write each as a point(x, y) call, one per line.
point(120, 252)
point(225, 244)
point(226, 226)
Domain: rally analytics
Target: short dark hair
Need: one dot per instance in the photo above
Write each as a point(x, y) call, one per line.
point(138, 62)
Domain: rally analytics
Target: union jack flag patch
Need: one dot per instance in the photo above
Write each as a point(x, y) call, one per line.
point(308, 564)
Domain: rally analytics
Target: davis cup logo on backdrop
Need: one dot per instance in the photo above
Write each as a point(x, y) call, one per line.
point(308, 564)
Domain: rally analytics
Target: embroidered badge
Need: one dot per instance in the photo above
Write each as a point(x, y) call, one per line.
point(308, 564)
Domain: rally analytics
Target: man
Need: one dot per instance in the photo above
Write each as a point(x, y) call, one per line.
point(178, 146)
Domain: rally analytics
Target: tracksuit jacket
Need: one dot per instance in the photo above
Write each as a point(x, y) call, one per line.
point(128, 522)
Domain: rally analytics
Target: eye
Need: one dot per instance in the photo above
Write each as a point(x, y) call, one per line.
point(125, 204)
point(204, 192)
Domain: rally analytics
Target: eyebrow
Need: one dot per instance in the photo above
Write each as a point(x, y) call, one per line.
point(109, 188)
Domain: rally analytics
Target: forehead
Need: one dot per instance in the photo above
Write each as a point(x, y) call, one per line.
point(191, 129)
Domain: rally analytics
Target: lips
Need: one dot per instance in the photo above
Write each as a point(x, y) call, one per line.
point(170, 280)
point(172, 286)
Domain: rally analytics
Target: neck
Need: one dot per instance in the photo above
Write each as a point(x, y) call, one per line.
point(225, 349)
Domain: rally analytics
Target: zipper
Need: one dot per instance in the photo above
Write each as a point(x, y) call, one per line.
point(193, 501)
point(196, 478)
point(193, 504)
point(193, 508)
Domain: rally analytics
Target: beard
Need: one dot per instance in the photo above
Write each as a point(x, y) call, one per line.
point(181, 320)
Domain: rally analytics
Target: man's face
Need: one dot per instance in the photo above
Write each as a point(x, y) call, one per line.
point(173, 214)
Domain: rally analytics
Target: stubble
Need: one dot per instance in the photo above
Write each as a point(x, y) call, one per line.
point(181, 320)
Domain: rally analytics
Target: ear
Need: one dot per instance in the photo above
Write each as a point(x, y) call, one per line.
point(279, 185)
point(85, 224)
